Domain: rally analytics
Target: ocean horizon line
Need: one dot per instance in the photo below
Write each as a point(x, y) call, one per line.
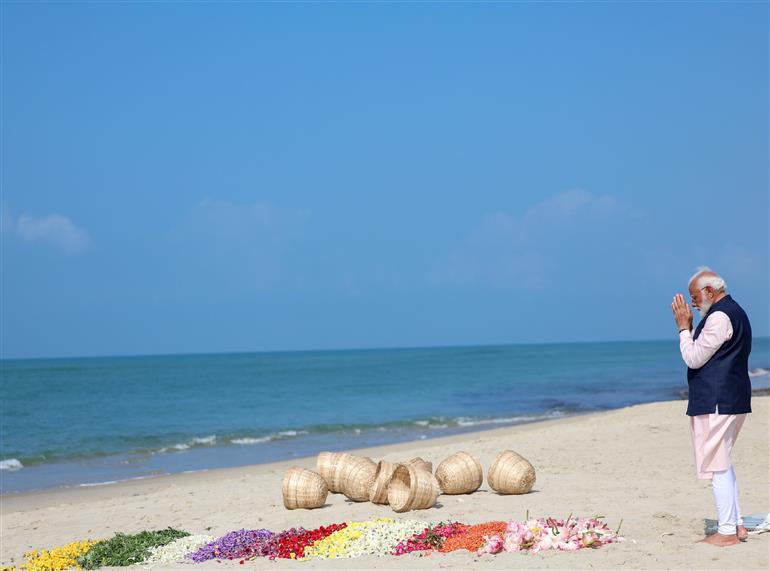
point(345, 349)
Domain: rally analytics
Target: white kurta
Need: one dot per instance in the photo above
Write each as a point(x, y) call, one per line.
point(713, 435)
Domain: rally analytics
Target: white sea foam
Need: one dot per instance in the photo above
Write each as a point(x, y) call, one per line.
point(292, 432)
point(92, 484)
point(197, 441)
point(269, 438)
point(11, 464)
point(465, 421)
point(759, 372)
point(251, 440)
point(108, 482)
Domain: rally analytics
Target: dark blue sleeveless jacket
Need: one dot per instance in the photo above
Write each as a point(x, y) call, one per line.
point(724, 379)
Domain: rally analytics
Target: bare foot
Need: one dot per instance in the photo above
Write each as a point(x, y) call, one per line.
point(719, 540)
point(741, 533)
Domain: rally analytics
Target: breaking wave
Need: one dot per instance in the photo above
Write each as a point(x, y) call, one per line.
point(11, 464)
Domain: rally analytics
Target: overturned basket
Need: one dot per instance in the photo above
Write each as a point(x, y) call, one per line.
point(511, 473)
point(382, 476)
point(412, 488)
point(347, 474)
point(418, 462)
point(303, 489)
point(356, 477)
point(460, 473)
point(328, 464)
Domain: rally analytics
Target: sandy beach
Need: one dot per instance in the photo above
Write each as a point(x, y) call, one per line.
point(633, 464)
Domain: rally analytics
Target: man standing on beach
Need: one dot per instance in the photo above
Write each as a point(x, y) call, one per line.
point(717, 358)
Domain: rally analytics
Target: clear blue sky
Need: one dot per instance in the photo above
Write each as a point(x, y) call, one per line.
point(209, 177)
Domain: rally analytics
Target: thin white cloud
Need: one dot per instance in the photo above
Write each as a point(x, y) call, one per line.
point(509, 250)
point(55, 230)
point(257, 225)
point(570, 204)
point(240, 247)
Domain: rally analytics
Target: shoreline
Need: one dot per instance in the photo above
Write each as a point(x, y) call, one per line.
point(234, 471)
point(458, 431)
point(633, 464)
point(452, 432)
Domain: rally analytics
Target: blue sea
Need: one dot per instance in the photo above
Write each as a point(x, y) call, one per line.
point(92, 421)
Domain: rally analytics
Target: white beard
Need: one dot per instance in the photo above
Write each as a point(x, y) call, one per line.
point(704, 308)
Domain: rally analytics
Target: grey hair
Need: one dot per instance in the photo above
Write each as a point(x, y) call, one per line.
point(716, 281)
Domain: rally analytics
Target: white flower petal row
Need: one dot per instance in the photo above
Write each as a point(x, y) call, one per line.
point(177, 550)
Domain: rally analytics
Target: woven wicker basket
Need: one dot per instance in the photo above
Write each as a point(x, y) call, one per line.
point(511, 473)
point(303, 489)
point(379, 493)
point(356, 477)
point(328, 465)
point(418, 462)
point(460, 473)
point(412, 488)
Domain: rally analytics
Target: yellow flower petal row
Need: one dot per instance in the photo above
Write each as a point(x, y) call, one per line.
point(336, 545)
point(56, 559)
point(375, 537)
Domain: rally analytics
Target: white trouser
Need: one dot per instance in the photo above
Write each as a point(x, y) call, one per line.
point(726, 496)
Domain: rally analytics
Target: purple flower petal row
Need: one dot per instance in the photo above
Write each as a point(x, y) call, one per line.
point(236, 544)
